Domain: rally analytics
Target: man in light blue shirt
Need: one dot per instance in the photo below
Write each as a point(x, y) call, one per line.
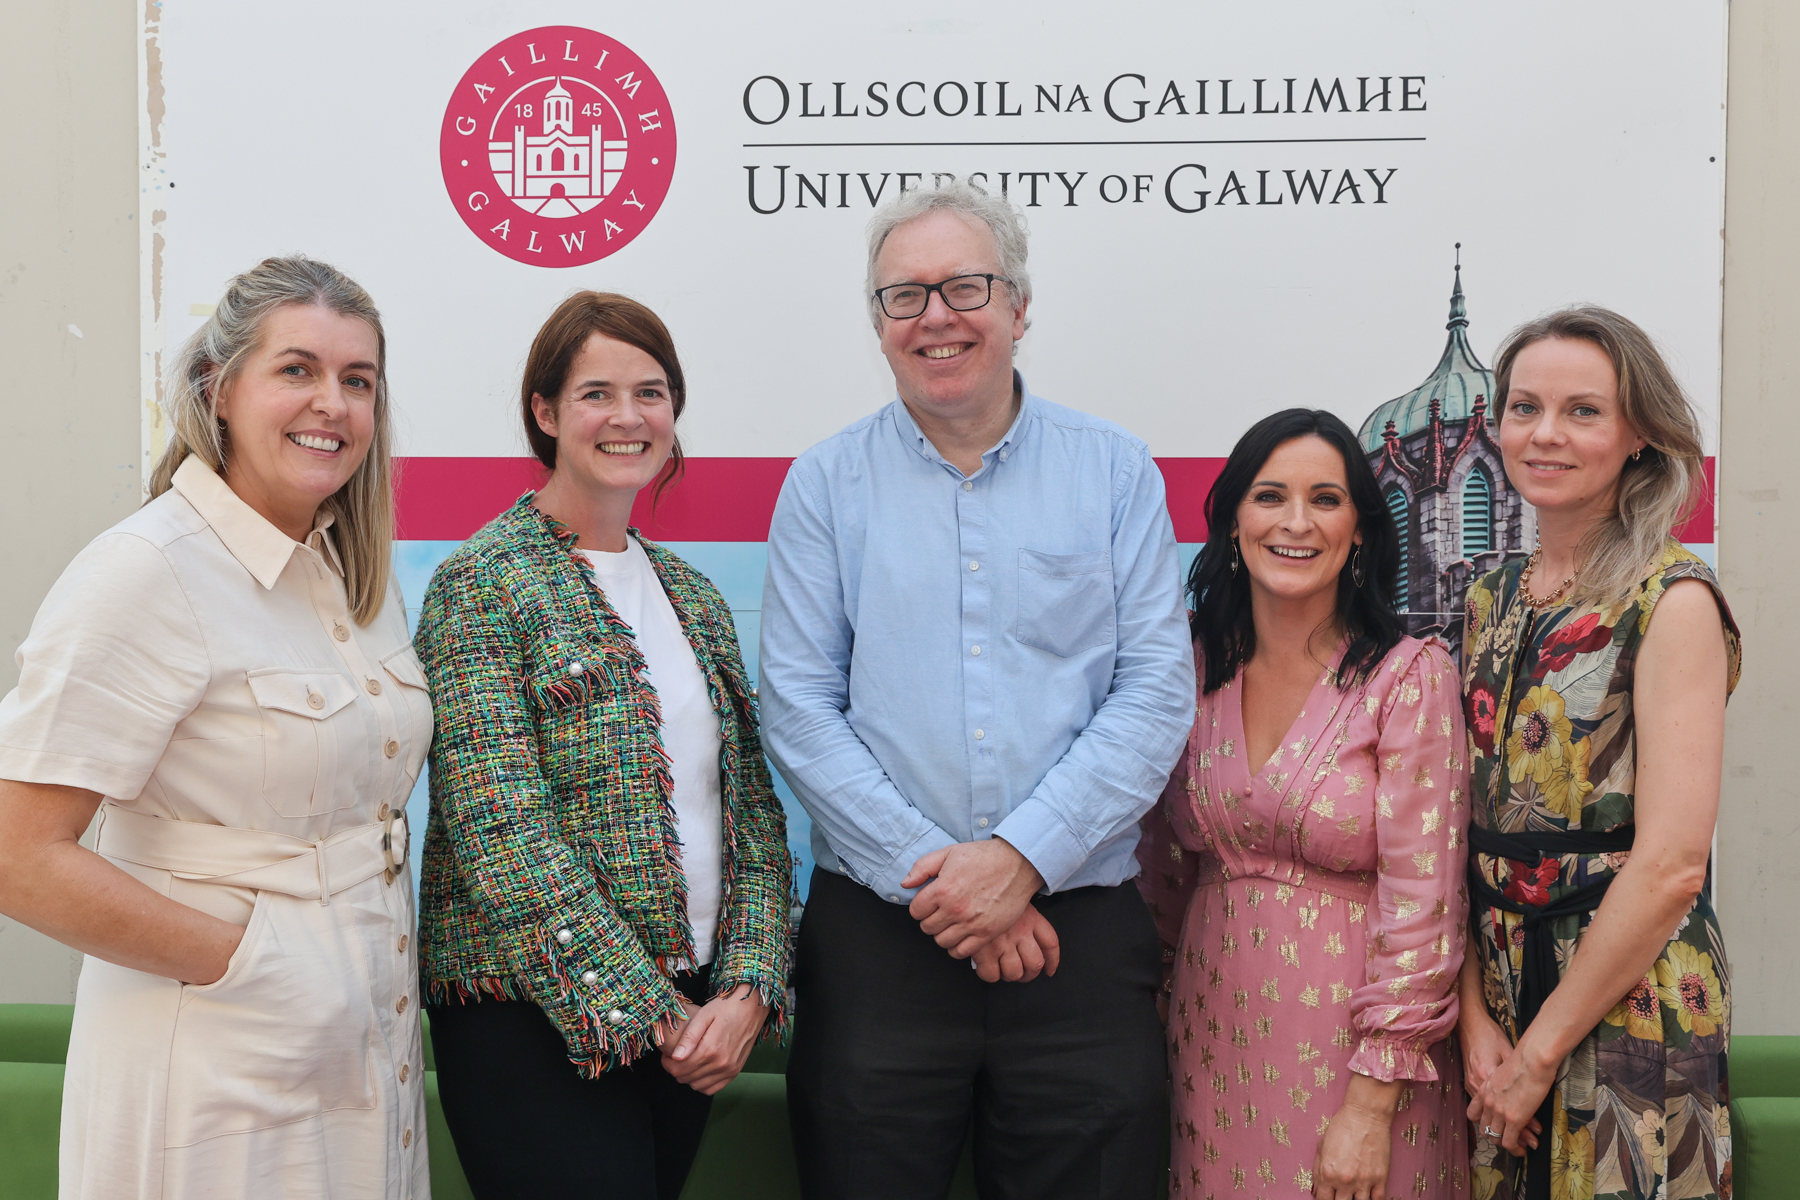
point(976, 676)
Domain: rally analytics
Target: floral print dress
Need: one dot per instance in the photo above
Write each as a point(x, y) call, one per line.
point(1640, 1108)
point(1314, 912)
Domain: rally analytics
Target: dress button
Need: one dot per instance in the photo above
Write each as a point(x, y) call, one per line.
point(591, 978)
point(340, 633)
point(314, 700)
point(980, 733)
point(403, 943)
point(564, 937)
point(615, 1017)
point(400, 1005)
point(406, 1140)
point(405, 1070)
point(374, 687)
point(968, 486)
point(381, 814)
point(982, 822)
point(392, 748)
point(1246, 824)
point(975, 650)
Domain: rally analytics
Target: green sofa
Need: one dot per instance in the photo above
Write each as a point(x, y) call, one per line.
point(746, 1155)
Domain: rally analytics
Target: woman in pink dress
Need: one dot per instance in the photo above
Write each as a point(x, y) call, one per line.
point(1305, 862)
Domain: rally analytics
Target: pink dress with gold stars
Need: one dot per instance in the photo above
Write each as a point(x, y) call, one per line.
point(1316, 917)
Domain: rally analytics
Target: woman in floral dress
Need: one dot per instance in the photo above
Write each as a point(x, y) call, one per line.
point(1305, 861)
point(1596, 708)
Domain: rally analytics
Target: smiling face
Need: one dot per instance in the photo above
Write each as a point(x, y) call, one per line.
point(1564, 436)
point(613, 421)
point(1296, 525)
point(948, 364)
point(300, 415)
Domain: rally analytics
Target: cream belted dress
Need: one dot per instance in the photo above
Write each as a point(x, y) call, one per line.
point(255, 746)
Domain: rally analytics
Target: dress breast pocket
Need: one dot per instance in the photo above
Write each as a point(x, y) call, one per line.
point(413, 704)
point(301, 741)
point(1065, 601)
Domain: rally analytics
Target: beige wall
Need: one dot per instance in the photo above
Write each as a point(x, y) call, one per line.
point(69, 460)
point(1758, 870)
point(68, 261)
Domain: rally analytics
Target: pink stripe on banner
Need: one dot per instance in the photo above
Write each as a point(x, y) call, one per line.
point(732, 499)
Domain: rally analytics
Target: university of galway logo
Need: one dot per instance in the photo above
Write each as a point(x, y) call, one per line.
point(558, 146)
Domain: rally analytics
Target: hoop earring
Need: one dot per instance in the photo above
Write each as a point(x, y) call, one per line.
point(1356, 567)
point(1234, 556)
point(1637, 454)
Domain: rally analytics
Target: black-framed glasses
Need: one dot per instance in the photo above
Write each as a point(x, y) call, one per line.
point(963, 293)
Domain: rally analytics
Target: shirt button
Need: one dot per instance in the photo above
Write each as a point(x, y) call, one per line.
point(895, 899)
point(403, 943)
point(591, 978)
point(564, 937)
point(392, 748)
point(400, 1005)
point(615, 1017)
point(1003, 455)
point(340, 633)
point(314, 700)
point(374, 687)
point(974, 566)
point(968, 485)
point(982, 822)
point(381, 814)
point(975, 650)
point(406, 1139)
point(980, 733)
point(405, 1070)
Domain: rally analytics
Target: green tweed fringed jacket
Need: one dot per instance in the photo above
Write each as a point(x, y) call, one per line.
point(552, 869)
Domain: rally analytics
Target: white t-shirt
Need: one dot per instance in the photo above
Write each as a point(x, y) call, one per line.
point(690, 727)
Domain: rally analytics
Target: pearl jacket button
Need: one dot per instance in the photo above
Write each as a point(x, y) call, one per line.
point(564, 937)
point(590, 977)
point(615, 1017)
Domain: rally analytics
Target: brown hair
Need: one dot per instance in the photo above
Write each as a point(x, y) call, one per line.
point(553, 351)
point(1657, 491)
point(211, 360)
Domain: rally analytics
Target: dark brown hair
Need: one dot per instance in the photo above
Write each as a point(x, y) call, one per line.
point(554, 349)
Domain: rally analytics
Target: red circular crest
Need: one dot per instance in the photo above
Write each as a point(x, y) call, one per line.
point(558, 146)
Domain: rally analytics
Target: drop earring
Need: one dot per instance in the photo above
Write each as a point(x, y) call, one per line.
point(1356, 567)
point(1234, 556)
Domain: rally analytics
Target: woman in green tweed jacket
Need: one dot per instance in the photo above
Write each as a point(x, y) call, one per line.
point(604, 924)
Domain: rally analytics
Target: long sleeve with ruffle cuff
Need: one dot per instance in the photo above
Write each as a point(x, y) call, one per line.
point(1169, 869)
point(1416, 923)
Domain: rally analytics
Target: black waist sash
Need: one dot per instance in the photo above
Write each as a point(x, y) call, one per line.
point(1539, 977)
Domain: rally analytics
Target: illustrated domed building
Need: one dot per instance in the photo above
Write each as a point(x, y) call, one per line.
point(1437, 460)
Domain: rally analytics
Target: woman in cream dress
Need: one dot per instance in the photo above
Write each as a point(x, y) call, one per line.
point(226, 678)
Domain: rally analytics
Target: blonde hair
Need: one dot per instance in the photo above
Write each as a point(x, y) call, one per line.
point(1657, 490)
point(363, 509)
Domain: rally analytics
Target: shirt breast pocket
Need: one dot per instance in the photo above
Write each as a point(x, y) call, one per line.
point(1065, 601)
point(301, 742)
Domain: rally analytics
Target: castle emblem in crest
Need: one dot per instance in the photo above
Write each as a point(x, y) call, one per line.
point(558, 146)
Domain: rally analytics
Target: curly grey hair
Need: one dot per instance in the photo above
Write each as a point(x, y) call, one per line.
point(1004, 221)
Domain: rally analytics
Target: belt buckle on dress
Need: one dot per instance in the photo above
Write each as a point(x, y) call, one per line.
point(395, 837)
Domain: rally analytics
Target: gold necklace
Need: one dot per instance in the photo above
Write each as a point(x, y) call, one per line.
point(1525, 582)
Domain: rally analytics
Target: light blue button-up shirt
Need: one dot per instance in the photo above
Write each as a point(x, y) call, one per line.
point(950, 658)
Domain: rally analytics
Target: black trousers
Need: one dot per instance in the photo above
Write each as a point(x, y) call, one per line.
point(527, 1125)
point(898, 1048)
